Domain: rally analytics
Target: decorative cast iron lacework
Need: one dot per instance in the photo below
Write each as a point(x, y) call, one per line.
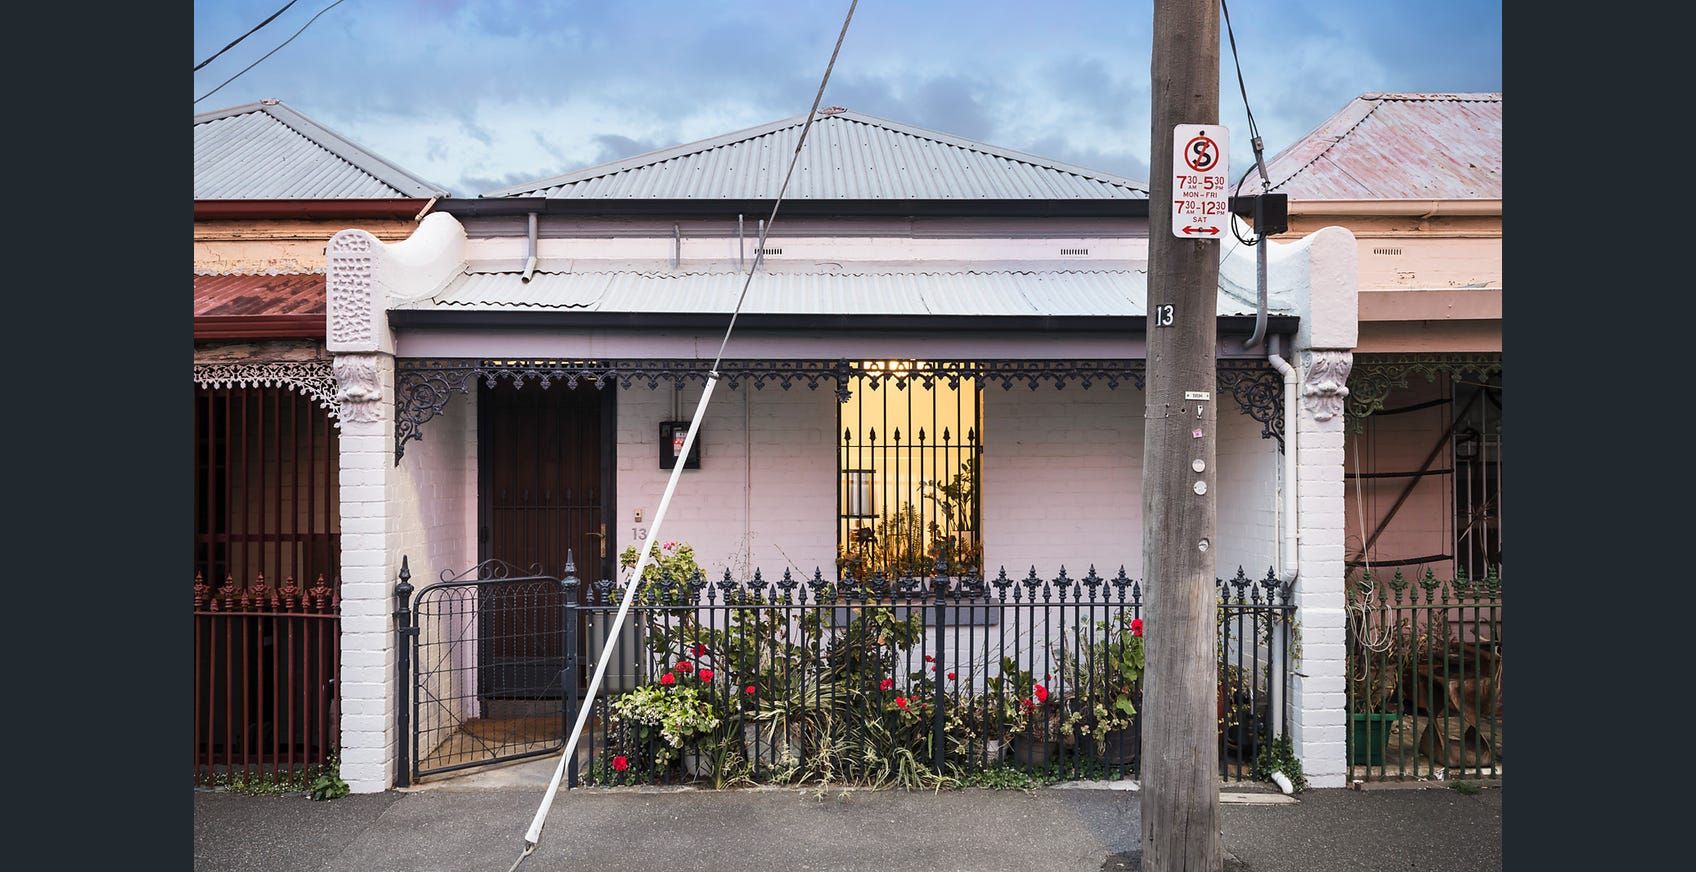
point(880, 587)
point(423, 387)
point(1375, 376)
point(309, 378)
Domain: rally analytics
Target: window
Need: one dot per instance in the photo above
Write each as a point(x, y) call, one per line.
point(908, 474)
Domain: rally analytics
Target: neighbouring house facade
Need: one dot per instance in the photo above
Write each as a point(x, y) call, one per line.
point(270, 188)
point(938, 368)
point(1416, 178)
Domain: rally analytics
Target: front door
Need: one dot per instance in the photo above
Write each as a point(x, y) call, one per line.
point(546, 480)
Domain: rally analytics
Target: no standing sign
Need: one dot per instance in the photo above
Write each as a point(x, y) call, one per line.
point(1200, 181)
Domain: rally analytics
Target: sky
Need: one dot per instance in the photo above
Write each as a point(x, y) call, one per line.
point(475, 95)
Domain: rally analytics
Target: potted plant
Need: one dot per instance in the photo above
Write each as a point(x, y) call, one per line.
point(1036, 718)
point(678, 711)
point(1371, 715)
point(670, 569)
point(1109, 679)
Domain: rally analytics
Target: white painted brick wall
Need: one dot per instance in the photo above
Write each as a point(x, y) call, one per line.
point(424, 509)
point(1063, 484)
point(1319, 711)
point(770, 508)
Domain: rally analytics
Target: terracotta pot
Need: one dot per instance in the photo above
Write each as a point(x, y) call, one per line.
point(1030, 751)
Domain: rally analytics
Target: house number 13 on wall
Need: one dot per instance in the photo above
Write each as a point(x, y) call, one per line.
point(1163, 315)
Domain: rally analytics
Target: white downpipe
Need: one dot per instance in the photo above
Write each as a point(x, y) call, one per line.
point(534, 834)
point(1290, 561)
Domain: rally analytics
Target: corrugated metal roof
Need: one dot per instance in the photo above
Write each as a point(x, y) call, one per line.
point(268, 151)
point(1107, 288)
point(1399, 147)
point(259, 295)
point(848, 156)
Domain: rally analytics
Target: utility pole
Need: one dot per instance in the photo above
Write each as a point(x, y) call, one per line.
point(1180, 762)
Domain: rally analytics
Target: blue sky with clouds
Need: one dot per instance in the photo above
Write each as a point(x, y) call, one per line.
point(478, 94)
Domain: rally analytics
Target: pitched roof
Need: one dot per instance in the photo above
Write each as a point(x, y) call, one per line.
point(268, 151)
point(1030, 289)
point(255, 306)
point(1405, 146)
point(849, 156)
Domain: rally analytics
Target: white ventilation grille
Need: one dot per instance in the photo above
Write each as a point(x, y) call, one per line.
point(1389, 251)
point(1066, 251)
point(768, 251)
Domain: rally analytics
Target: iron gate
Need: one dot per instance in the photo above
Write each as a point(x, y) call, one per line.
point(483, 672)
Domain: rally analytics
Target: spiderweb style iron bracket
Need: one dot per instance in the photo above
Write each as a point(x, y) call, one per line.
point(1259, 392)
point(1374, 376)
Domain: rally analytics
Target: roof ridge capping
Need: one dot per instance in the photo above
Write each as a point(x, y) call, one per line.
point(833, 113)
point(1435, 96)
point(386, 172)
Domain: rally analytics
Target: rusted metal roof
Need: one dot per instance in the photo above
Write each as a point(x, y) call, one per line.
point(254, 306)
point(268, 151)
point(848, 156)
point(1405, 146)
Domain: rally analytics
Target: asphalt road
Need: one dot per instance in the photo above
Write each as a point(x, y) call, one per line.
point(1086, 830)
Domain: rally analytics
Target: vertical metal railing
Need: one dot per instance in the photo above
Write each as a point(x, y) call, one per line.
point(266, 599)
point(1425, 677)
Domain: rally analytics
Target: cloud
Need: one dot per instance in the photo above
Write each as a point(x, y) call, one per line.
point(477, 95)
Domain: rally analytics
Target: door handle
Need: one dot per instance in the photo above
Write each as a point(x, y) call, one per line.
point(601, 538)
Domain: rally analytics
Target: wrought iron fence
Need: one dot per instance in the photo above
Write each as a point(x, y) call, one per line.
point(890, 680)
point(483, 667)
point(1425, 677)
point(266, 661)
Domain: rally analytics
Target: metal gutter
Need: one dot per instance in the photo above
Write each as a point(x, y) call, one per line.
point(1416, 208)
point(372, 208)
point(523, 317)
point(259, 326)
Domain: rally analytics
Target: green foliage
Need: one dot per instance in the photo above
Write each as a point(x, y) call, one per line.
point(1278, 755)
point(329, 784)
point(321, 781)
point(1106, 676)
point(678, 712)
point(670, 568)
point(1465, 788)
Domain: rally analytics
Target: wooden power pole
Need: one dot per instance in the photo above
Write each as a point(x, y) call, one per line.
point(1180, 746)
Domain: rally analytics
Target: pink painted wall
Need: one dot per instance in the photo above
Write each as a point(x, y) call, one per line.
point(1399, 443)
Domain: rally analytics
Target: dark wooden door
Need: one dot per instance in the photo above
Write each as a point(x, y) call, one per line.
point(546, 467)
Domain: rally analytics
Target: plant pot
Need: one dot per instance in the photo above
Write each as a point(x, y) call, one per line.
point(624, 667)
point(994, 752)
point(760, 742)
point(1030, 751)
point(1368, 734)
point(697, 763)
point(1120, 747)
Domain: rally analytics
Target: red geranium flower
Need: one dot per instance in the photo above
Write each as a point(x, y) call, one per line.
point(705, 674)
point(901, 701)
point(685, 666)
point(886, 684)
point(749, 690)
point(929, 659)
point(1136, 626)
point(950, 676)
point(668, 678)
point(1026, 704)
point(620, 763)
point(700, 649)
point(1041, 693)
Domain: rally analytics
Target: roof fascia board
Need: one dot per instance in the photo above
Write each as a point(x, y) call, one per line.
point(340, 208)
point(1420, 208)
point(515, 317)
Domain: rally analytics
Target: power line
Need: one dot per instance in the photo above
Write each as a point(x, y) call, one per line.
point(246, 35)
point(1253, 131)
point(269, 53)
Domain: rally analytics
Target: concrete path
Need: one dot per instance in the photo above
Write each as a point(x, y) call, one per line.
point(477, 824)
